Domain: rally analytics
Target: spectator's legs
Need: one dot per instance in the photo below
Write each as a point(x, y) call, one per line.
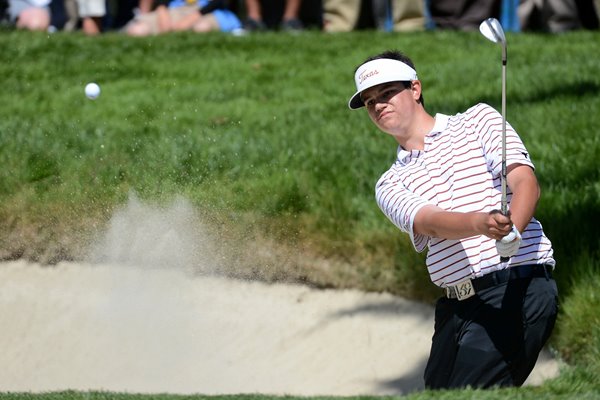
point(91, 12)
point(34, 19)
point(340, 15)
point(147, 24)
point(189, 18)
point(290, 21)
point(145, 6)
point(91, 25)
point(549, 15)
point(163, 19)
point(187, 21)
point(564, 16)
point(463, 15)
point(138, 29)
point(253, 10)
point(72, 15)
point(292, 7)
point(207, 23)
point(254, 20)
point(408, 15)
point(382, 10)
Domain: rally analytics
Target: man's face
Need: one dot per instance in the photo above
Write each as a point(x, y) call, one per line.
point(390, 105)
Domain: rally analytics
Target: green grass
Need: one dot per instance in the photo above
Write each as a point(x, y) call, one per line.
point(255, 132)
point(553, 390)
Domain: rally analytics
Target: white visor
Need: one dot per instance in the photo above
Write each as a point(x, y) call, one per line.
point(375, 73)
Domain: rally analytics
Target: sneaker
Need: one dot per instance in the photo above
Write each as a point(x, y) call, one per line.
point(254, 25)
point(292, 25)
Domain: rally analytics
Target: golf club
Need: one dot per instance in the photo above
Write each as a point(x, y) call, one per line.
point(492, 30)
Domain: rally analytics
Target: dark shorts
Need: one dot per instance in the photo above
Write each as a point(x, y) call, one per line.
point(493, 338)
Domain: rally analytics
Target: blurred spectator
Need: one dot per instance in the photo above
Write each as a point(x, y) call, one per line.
point(596, 16)
point(29, 14)
point(91, 13)
point(526, 15)
point(588, 13)
point(557, 16)
point(145, 6)
point(388, 15)
point(548, 15)
point(465, 15)
point(119, 13)
point(72, 16)
point(3, 11)
point(290, 20)
point(178, 15)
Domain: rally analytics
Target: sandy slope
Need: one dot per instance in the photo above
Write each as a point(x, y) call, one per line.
point(78, 326)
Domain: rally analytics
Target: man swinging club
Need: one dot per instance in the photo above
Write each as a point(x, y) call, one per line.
point(443, 190)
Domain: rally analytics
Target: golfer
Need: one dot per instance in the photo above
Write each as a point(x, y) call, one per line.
point(444, 191)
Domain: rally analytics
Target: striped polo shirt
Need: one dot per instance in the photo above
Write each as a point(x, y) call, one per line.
point(459, 170)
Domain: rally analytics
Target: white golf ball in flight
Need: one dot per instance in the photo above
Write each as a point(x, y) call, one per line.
point(92, 91)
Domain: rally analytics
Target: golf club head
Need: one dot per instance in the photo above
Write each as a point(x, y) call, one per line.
point(492, 30)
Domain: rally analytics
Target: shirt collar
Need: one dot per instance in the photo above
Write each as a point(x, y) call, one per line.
point(440, 124)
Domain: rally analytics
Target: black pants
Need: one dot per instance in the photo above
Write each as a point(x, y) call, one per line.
point(462, 14)
point(493, 338)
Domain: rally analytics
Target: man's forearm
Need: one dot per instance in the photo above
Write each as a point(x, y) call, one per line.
point(523, 204)
point(526, 193)
point(436, 222)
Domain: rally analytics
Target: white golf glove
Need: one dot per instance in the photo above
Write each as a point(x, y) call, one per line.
point(509, 245)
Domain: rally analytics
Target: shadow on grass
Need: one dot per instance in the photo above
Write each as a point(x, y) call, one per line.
point(575, 237)
point(578, 90)
point(586, 88)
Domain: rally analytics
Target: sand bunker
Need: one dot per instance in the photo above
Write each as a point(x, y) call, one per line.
point(121, 328)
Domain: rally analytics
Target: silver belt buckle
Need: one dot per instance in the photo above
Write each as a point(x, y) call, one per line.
point(462, 290)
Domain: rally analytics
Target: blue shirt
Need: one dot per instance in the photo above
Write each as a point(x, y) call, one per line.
point(226, 19)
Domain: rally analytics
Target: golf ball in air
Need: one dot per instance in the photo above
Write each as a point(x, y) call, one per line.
point(92, 91)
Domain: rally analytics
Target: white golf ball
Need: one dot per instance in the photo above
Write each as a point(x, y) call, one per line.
point(92, 91)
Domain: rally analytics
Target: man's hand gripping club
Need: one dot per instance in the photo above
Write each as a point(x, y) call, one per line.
point(508, 245)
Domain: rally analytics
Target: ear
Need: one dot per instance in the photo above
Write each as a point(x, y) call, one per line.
point(415, 88)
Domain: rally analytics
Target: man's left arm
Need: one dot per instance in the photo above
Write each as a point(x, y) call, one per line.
point(525, 190)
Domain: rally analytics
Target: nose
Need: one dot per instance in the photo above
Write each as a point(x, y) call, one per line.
point(379, 105)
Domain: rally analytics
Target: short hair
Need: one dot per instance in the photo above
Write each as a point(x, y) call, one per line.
point(399, 56)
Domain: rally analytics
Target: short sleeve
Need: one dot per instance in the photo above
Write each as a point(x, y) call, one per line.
point(400, 206)
point(487, 122)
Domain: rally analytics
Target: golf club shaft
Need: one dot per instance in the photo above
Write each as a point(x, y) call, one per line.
point(492, 30)
point(504, 201)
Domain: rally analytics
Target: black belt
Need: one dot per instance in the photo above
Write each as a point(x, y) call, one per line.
point(505, 275)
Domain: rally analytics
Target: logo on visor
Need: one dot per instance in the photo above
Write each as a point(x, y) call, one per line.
point(364, 75)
